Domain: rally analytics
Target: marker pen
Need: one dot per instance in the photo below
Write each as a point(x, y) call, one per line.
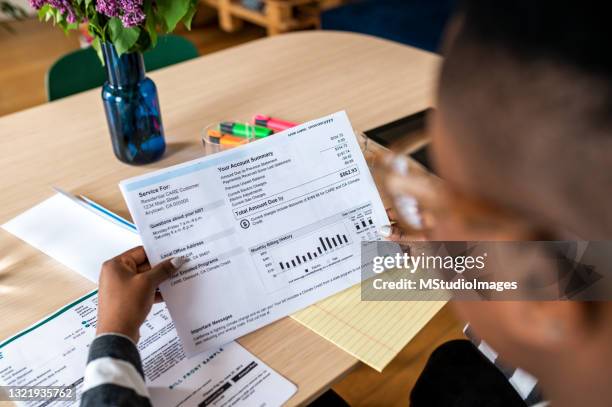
point(216, 137)
point(231, 141)
point(272, 123)
point(245, 130)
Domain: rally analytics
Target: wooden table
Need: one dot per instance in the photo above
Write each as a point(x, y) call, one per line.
point(298, 76)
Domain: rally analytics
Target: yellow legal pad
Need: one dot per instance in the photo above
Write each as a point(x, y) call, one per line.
point(373, 332)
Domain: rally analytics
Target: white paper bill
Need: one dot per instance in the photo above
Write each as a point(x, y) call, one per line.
point(54, 352)
point(269, 228)
point(72, 235)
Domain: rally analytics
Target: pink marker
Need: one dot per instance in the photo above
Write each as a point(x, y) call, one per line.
point(272, 123)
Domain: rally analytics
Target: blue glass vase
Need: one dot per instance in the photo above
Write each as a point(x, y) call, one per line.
point(132, 108)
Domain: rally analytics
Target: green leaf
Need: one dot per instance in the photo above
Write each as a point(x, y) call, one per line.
point(122, 38)
point(152, 30)
point(72, 26)
point(96, 27)
point(172, 11)
point(58, 17)
point(42, 13)
point(193, 8)
point(95, 44)
point(50, 15)
point(150, 23)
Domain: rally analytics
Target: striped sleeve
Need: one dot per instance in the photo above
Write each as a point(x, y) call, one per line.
point(114, 375)
point(524, 384)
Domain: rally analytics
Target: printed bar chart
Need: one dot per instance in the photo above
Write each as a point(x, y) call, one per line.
point(294, 256)
point(337, 242)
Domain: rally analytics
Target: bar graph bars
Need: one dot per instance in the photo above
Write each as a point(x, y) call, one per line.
point(303, 253)
point(326, 244)
point(364, 223)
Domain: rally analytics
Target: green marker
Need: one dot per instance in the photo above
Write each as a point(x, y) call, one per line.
point(245, 130)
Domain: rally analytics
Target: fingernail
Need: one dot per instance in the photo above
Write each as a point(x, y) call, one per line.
point(177, 262)
point(385, 231)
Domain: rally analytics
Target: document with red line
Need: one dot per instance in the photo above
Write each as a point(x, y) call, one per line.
point(269, 228)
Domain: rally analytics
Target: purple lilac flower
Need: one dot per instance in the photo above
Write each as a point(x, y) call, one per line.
point(129, 11)
point(130, 4)
point(132, 12)
point(109, 8)
point(63, 6)
point(133, 18)
point(37, 4)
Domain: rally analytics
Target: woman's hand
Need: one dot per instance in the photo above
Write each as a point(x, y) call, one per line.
point(127, 291)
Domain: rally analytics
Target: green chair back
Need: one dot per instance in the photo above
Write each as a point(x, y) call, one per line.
point(81, 70)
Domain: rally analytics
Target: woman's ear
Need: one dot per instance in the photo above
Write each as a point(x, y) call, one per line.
point(545, 325)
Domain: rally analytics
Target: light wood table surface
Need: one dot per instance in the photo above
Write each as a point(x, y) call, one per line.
point(298, 77)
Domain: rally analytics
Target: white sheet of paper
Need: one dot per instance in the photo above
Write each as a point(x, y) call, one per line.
point(71, 234)
point(54, 352)
point(269, 228)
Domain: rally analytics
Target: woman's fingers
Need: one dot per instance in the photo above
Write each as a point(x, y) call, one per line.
point(392, 232)
point(392, 214)
point(137, 255)
point(395, 233)
point(144, 267)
